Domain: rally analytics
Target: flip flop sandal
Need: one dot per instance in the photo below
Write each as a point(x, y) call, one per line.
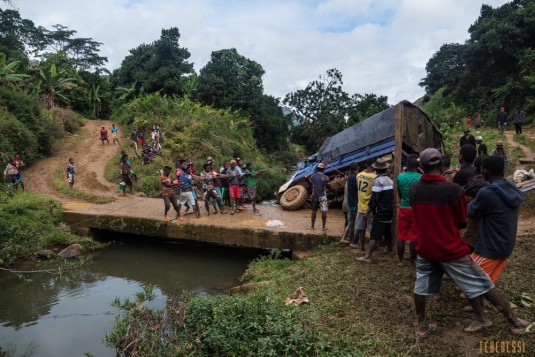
point(529, 329)
point(427, 332)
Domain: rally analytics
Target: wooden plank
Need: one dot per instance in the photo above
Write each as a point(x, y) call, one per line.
point(525, 183)
point(397, 165)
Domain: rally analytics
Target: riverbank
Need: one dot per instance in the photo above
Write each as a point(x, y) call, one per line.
point(29, 223)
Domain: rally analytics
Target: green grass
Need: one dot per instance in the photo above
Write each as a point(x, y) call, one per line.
point(524, 140)
point(28, 223)
point(62, 187)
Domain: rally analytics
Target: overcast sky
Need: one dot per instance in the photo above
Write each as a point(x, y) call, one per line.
point(380, 46)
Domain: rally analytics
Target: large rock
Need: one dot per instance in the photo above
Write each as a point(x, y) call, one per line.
point(72, 251)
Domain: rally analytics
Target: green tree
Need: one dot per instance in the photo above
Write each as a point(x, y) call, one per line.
point(161, 66)
point(364, 106)
point(8, 71)
point(321, 110)
point(53, 84)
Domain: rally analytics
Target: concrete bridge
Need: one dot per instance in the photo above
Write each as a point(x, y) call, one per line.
point(143, 216)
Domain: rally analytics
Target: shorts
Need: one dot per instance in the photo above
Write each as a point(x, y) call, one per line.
point(12, 179)
point(186, 197)
point(319, 202)
point(251, 191)
point(361, 223)
point(70, 178)
point(380, 230)
point(235, 191)
point(407, 228)
point(464, 272)
point(493, 267)
point(103, 138)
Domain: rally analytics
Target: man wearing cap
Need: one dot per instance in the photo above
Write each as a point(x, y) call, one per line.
point(319, 197)
point(440, 211)
point(500, 152)
point(467, 138)
point(381, 205)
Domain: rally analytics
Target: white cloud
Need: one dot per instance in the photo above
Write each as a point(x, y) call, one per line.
point(380, 46)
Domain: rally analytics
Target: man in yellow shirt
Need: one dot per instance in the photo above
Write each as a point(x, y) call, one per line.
point(364, 184)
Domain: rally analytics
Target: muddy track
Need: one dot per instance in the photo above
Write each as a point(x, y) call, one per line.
point(90, 158)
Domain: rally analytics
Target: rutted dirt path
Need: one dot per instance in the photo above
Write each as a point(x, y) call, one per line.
point(528, 154)
point(90, 158)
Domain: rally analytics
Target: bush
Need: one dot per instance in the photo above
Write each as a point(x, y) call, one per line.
point(16, 138)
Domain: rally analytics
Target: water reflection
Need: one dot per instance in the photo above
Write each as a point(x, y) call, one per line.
point(68, 316)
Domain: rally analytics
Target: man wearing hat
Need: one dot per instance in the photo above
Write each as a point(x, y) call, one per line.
point(500, 152)
point(381, 205)
point(319, 197)
point(467, 138)
point(440, 211)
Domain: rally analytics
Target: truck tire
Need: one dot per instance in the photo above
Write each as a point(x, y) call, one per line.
point(294, 198)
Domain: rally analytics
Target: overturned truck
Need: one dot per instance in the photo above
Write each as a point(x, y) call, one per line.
point(394, 133)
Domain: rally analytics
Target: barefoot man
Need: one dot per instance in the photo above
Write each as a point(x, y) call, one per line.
point(319, 197)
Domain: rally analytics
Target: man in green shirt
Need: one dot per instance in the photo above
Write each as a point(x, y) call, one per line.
point(250, 183)
point(407, 228)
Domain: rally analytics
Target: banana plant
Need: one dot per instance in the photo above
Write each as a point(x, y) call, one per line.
point(94, 98)
point(8, 71)
point(53, 84)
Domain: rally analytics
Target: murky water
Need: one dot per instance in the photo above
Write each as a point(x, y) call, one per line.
point(69, 316)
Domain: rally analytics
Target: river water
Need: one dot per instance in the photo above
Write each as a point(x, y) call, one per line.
point(69, 316)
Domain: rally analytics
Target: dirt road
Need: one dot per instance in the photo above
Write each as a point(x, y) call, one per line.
point(90, 158)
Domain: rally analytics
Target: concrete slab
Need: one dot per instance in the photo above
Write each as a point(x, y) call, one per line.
point(246, 229)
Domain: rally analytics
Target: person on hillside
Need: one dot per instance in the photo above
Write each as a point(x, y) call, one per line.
point(351, 192)
point(104, 136)
point(187, 191)
point(319, 196)
point(141, 137)
point(133, 135)
point(250, 183)
point(477, 122)
point(168, 194)
point(496, 206)
point(407, 228)
point(11, 172)
point(520, 116)
point(440, 211)
point(363, 220)
point(125, 174)
point(19, 163)
point(381, 206)
point(468, 121)
point(135, 153)
point(209, 176)
point(71, 170)
point(466, 160)
point(467, 139)
point(114, 132)
point(234, 172)
point(448, 172)
point(500, 152)
point(502, 120)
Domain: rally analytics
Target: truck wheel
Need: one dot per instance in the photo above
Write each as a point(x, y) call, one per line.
point(294, 198)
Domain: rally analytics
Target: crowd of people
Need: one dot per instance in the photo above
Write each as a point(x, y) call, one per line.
point(460, 221)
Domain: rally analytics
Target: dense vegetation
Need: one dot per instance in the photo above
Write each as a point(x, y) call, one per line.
point(494, 67)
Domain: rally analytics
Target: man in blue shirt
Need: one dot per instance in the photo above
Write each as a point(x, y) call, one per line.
point(319, 197)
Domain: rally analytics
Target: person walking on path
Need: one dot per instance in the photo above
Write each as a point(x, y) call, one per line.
point(381, 205)
point(407, 228)
point(11, 172)
point(104, 136)
point(502, 120)
point(20, 165)
point(363, 220)
point(519, 119)
point(500, 152)
point(71, 170)
point(319, 196)
point(168, 194)
point(114, 133)
point(477, 122)
point(469, 121)
point(440, 211)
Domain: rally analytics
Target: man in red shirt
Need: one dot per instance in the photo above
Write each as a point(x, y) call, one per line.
point(104, 136)
point(440, 211)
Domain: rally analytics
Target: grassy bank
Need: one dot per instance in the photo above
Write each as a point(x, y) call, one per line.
point(28, 223)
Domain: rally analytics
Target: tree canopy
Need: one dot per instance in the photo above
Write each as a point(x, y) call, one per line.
point(161, 66)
